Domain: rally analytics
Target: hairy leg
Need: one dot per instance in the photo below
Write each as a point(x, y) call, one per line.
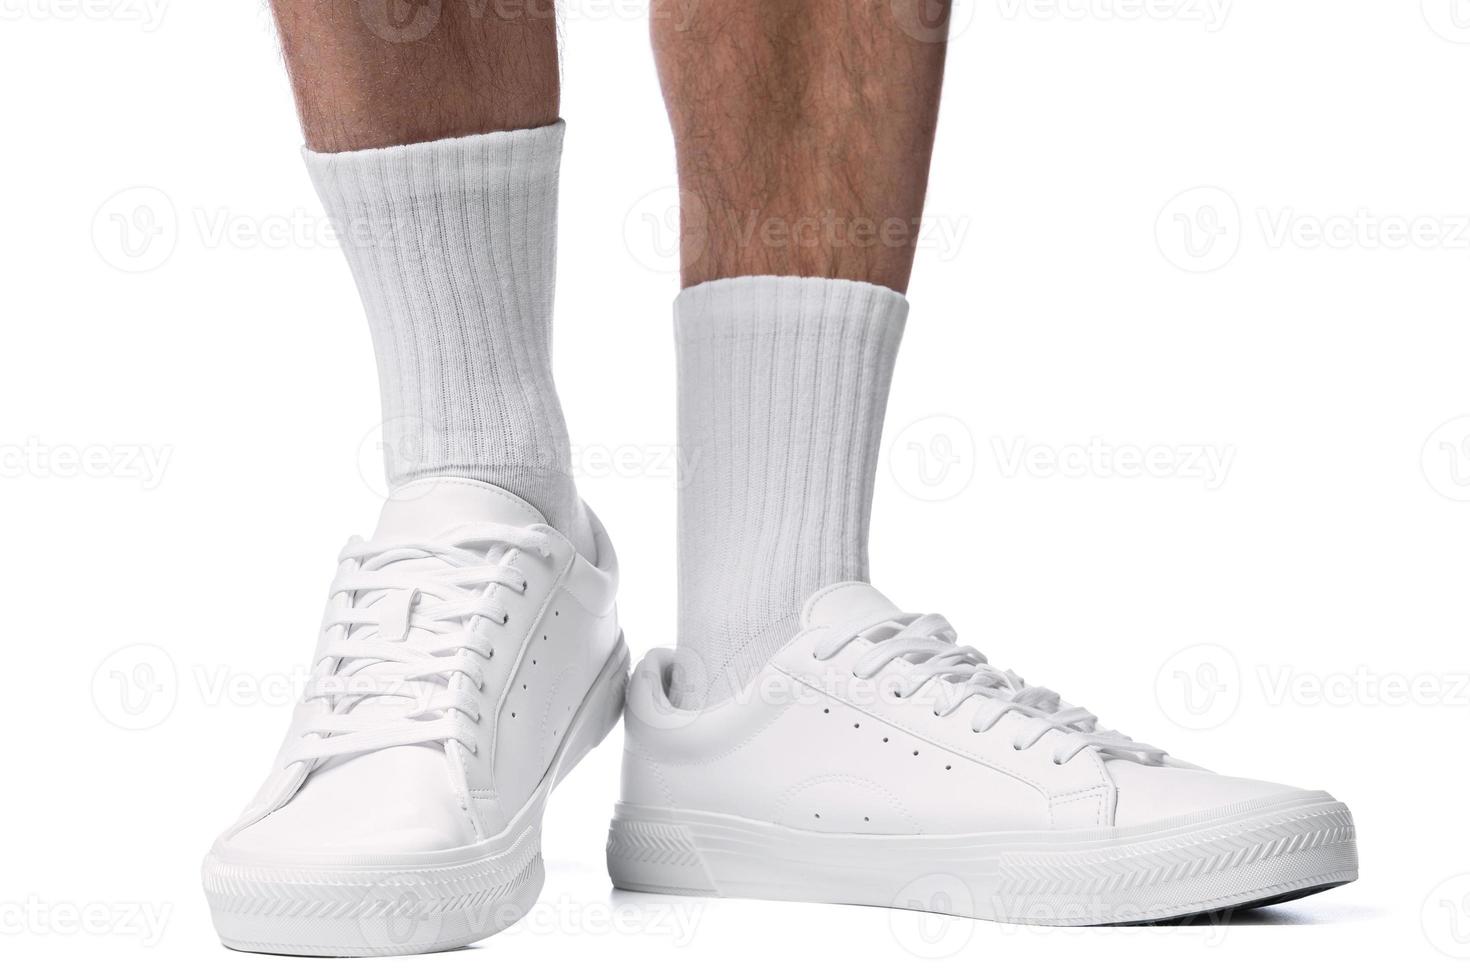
point(803, 130)
point(378, 73)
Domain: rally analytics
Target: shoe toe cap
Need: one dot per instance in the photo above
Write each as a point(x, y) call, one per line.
point(1148, 794)
point(396, 801)
point(291, 831)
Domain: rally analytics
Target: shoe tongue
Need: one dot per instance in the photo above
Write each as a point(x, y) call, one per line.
point(431, 507)
point(844, 603)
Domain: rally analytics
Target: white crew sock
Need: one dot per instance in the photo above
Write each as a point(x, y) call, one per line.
point(453, 247)
point(782, 387)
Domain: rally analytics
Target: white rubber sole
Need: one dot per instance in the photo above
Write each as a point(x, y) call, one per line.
point(387, 905)
point(1267, 851)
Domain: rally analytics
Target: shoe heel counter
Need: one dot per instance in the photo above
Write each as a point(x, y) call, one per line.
point(643, 781)
point(648, 721)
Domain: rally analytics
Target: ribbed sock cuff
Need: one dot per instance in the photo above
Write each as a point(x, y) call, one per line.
point(783, 383)
point(452, 244)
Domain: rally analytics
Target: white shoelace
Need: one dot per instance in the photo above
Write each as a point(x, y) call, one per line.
point(927, 649)
point(403, 621)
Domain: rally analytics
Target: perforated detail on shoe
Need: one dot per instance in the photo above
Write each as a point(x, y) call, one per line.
point(864, 798)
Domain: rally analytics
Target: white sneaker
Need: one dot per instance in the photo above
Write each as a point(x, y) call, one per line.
point(875, 762)
point(469, 658)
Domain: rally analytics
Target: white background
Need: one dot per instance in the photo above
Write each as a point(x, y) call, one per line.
point(1295, 610)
